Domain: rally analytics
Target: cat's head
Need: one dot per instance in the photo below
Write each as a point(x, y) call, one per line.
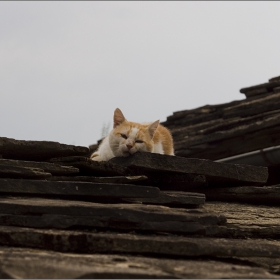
point(127, 138)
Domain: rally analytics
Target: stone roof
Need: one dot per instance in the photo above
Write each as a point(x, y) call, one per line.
point(146, 216)
point(220, 131)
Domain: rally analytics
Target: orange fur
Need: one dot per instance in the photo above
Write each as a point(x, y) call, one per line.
point(164, 135)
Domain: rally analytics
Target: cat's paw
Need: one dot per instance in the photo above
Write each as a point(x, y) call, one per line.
point(96, 157)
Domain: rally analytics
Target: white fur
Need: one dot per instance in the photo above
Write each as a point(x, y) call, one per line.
point(158, 148)
point(118, 146)
point(104, 152)
point(133, 133)
point(115, 146)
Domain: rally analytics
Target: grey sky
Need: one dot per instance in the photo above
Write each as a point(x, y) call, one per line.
point(65, 66)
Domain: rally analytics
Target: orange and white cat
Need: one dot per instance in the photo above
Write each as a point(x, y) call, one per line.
point(127, 138)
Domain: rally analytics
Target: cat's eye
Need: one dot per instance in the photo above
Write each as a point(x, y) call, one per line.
point(139, 141)
point(123, 136)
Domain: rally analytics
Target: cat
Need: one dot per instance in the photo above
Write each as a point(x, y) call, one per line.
point(127, 138)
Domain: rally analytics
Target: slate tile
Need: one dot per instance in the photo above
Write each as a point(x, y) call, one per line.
point(22, 172)
point(37, 150)
point(38, 264)
point(213, 171)
point(63, 214)
point(52, 168)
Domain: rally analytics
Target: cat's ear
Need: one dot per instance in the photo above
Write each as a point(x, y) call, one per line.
point(118, 117)
point(152, 128)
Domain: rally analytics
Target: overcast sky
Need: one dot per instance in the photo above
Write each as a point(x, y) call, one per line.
point(65, 66)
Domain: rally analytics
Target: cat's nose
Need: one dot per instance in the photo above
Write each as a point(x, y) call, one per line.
point(129, 146)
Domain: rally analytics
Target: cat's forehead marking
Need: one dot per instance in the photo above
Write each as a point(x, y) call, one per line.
point(133, 132)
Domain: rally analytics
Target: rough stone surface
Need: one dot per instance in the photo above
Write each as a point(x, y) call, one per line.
point(171, 181)
point(267, 126)
point(37, 150)
point(100, 192)
point(48, 213)
point(266, 195)
point(22, 172)
point(76, 189)
point(52, 168)
point(44, 264)
point(243, 143)
point(256, 92)
point(274, 79)
point(272, 83)
point(90, 167)
point(161, 180)
point(92, 179)
point(248, 221)
point(176, 199)
point(213, 171)
point(254, 108)
point(173, 246)
point(224, 130)
point(272, 265)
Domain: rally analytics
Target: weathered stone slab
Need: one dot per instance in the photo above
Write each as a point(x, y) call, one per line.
point(254, 107)
point(272, 265)
point(213, 171)
point(76, 189)
point(90, 167)
point(266, 195)
point(37, 150)
point(176, 199)
point(71, 222)
point(256, 92)
point(52, 168)
point(36, 264)
point(232, 119)
point(173, 246)
point(22, 172)
point(248, 221)
point(233, 146)
point(219, 131)
point(276, 90)
point(274, 79)
point(171, 181)
point(216, 135)
point(197, 115)
point(101, 192)
point(268, 86)
point(47, 213)
point(234, 125)
point(92, 179)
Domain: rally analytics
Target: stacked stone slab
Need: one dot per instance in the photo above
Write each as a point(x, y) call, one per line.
point(145, 216)
point(272, 87)
point(220, 131)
